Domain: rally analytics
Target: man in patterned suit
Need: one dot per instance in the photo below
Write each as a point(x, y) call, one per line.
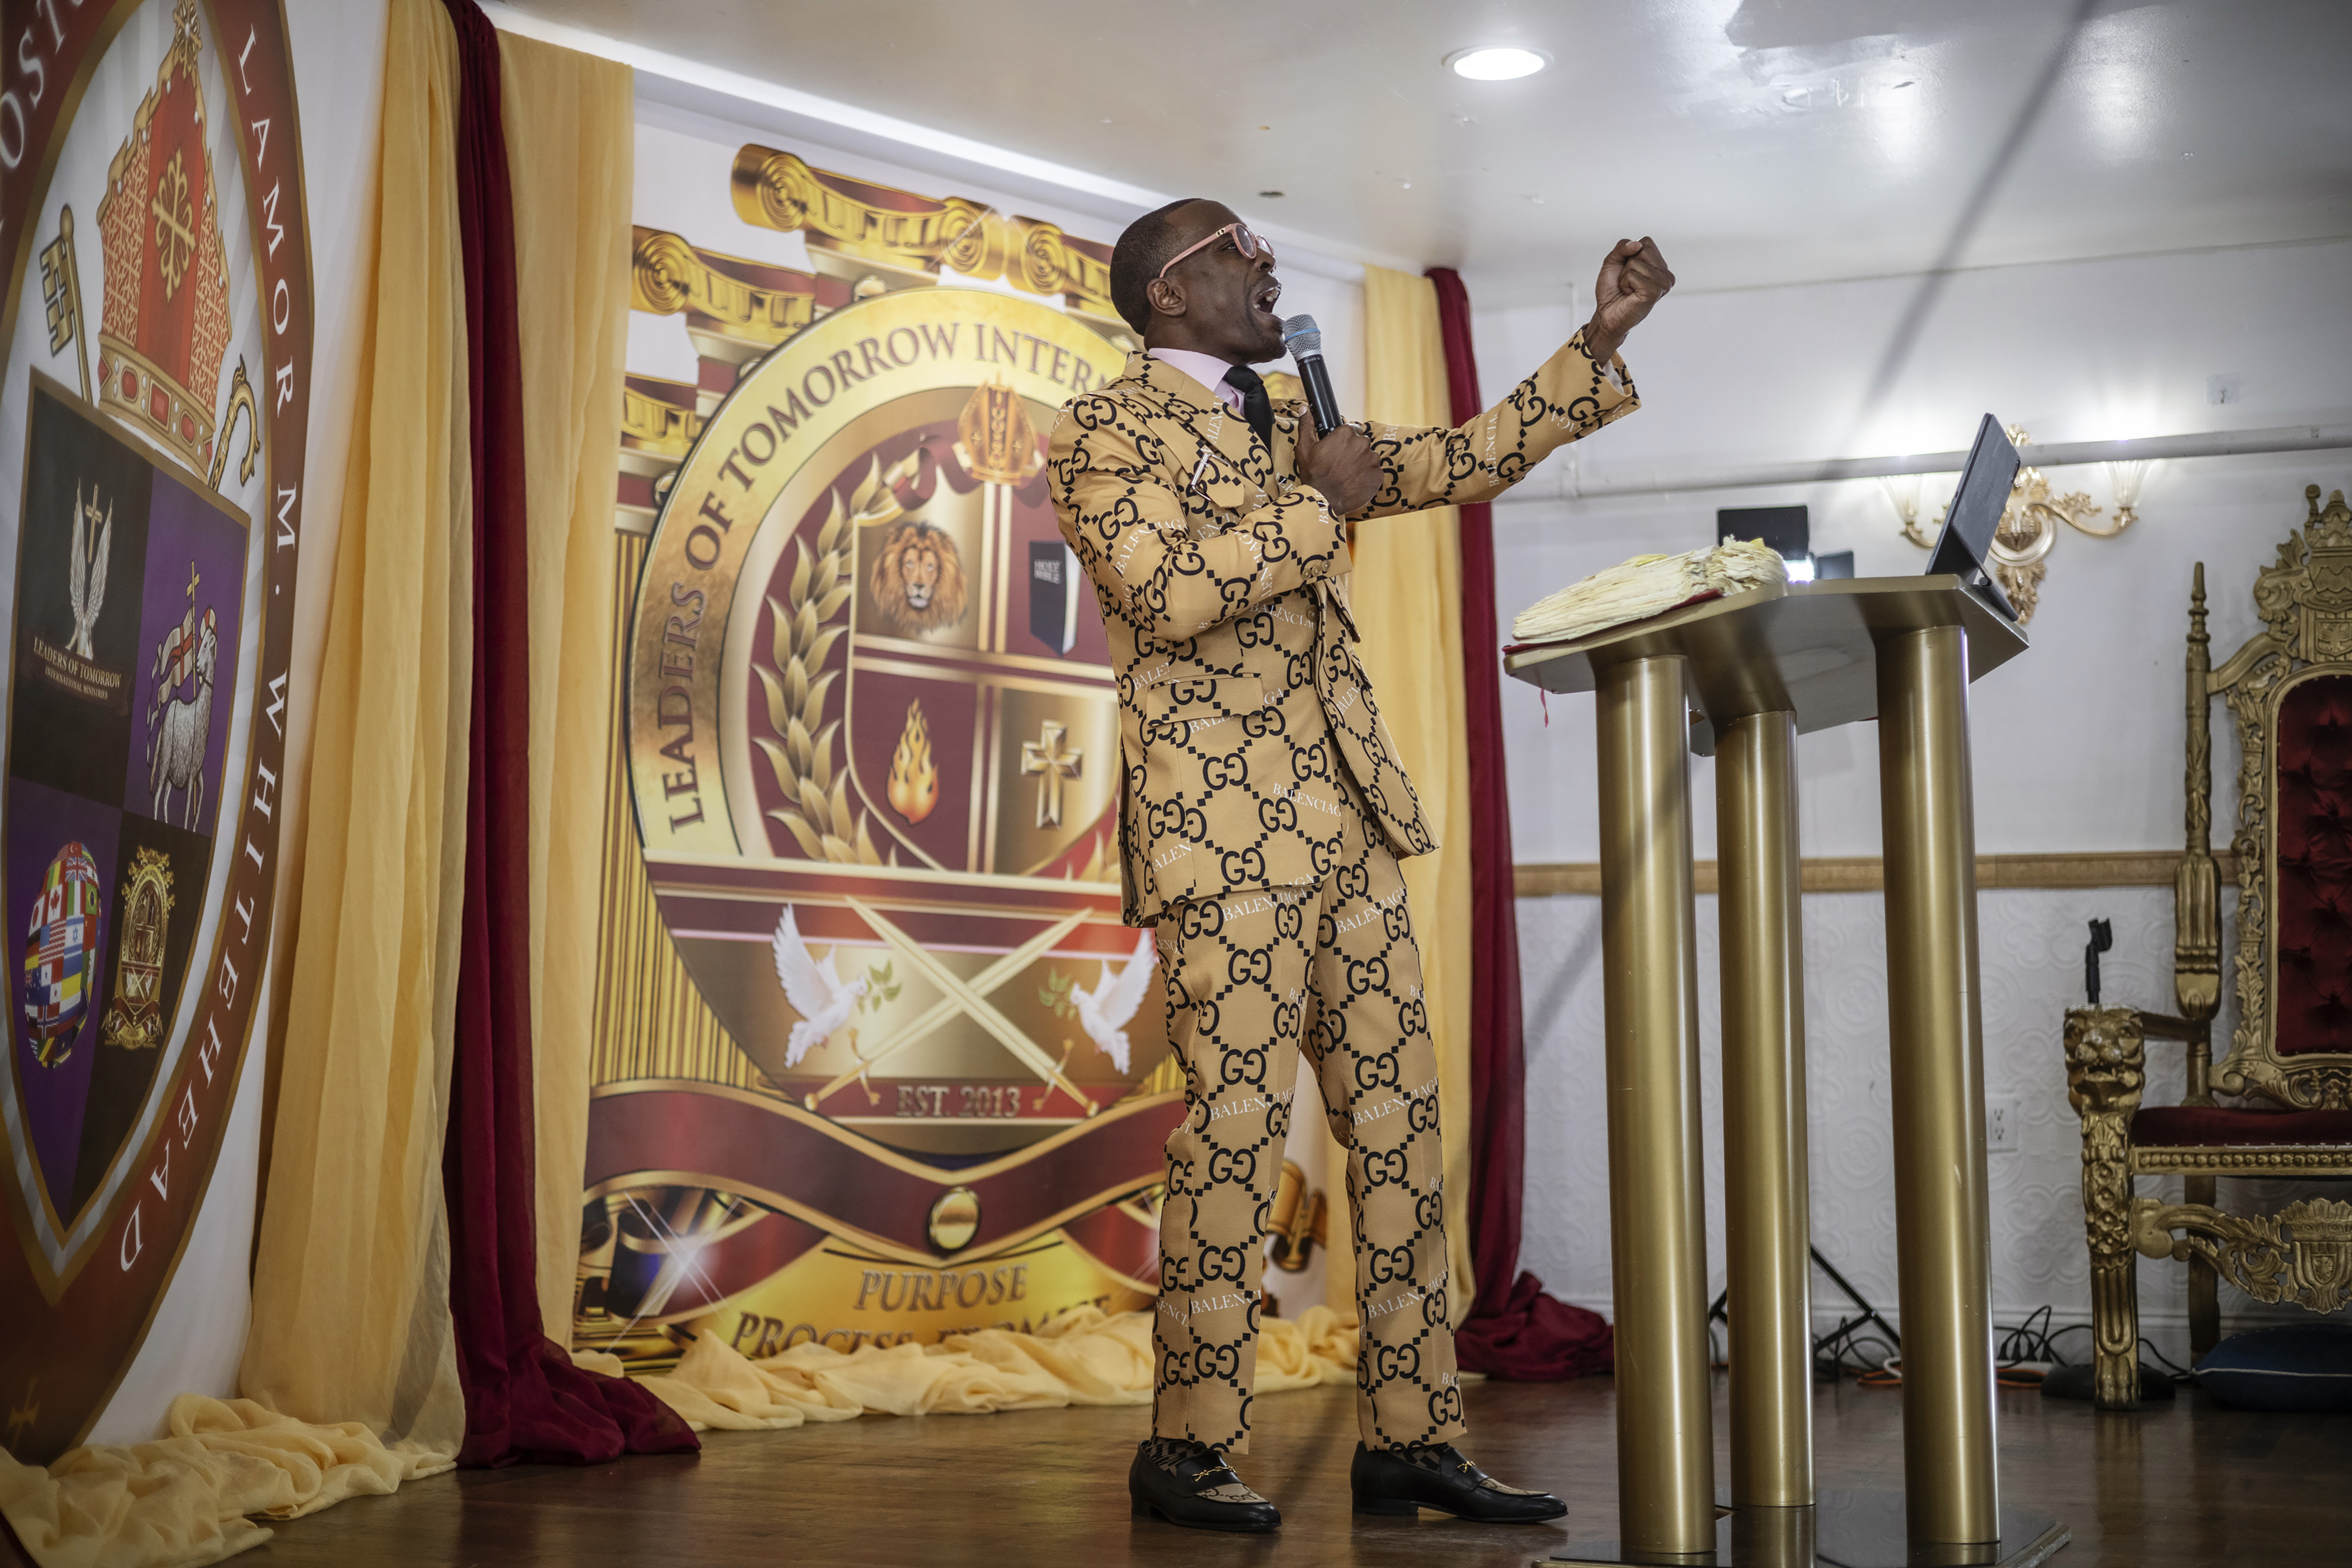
point(1262, 813)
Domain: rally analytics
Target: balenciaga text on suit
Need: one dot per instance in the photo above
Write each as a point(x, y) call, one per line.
point(1263, 813)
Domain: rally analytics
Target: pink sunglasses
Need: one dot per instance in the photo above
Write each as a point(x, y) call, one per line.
point(1248, 244)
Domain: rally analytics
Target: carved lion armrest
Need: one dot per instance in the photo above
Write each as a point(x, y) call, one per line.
point(2107, 1070)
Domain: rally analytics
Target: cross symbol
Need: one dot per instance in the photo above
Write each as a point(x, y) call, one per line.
point(1045, 756)
point(192, 579)
point(175, 239)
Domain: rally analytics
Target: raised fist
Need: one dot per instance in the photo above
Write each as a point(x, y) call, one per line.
point(1633, 279)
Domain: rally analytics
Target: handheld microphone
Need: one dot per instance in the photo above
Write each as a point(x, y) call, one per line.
point(1305, 340)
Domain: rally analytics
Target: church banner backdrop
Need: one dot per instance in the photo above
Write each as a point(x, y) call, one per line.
point(875, 1058)
point(152, 432)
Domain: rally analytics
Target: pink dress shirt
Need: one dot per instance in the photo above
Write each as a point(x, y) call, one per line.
point(1206, 369)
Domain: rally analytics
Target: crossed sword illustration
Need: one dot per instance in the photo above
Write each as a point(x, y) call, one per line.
point(964, 996)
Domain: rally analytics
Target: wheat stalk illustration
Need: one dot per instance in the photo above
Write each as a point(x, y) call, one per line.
point(816, 792)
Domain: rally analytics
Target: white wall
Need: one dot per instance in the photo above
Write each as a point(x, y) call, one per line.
point(2033, 970)
point(2087, 350)
point(2077, 745)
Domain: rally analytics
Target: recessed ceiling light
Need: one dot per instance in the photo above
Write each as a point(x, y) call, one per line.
point(1504, 63)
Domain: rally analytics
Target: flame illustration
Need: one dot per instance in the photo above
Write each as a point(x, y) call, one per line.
point(914, 781)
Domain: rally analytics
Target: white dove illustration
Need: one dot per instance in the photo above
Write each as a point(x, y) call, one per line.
point(1103, 1012)
point(814, 990)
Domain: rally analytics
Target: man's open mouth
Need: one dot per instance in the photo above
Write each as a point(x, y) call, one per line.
point(1266, 294)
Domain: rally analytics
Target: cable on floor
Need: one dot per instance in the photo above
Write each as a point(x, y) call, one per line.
point(2031, 1340)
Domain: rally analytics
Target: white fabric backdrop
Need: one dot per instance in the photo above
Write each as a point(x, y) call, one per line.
point(197, 1335)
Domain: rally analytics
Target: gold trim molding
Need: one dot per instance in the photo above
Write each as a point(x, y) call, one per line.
point(2261, 1159)
point(1867, 873)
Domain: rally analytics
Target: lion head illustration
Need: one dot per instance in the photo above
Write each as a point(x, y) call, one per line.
point(917, 580)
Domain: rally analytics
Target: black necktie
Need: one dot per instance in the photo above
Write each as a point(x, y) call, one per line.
point(1256, 406)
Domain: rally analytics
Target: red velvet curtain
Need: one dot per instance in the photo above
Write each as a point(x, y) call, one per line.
point(524, 1399)
point(1515, 1329)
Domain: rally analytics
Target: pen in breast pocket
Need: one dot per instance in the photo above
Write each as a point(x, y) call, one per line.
point(1196, 469)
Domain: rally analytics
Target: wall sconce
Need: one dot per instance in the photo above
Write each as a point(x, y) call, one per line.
point(2124, 481)
point(2029, 525)
point(1903, 490)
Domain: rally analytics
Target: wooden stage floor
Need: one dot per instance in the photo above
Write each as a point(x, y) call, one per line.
point(2180, 1484)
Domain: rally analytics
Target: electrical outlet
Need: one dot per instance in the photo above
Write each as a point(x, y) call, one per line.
point(2000, 1127)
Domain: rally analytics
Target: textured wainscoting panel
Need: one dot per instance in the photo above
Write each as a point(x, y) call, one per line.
point(2033, 970)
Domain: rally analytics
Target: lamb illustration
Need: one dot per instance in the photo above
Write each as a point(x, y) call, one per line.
point(175, 750)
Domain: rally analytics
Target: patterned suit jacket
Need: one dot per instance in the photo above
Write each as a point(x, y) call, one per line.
point(1246, 725)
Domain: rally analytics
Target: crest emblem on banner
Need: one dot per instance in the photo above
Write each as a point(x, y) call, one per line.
point(135, 1019)
point(59, 951)
point(151, 609)
point(871, 745)
point(117, 742)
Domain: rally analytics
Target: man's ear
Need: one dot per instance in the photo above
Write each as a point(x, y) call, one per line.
point(1165, 297)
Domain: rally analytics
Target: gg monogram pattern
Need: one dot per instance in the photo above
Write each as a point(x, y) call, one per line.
point(1253, 980)
point(1262, 813)
point(1243, 707)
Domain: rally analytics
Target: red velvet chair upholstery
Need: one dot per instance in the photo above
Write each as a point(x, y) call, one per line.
point(2289, 1064)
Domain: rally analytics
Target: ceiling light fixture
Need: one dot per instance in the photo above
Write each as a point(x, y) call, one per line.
point(1506, 62)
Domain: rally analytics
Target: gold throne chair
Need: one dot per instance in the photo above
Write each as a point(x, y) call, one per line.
point(2289, 1063)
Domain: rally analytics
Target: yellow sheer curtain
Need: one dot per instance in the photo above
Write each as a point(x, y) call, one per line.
point(351, 1317)
point(1407, 598)
point(571, 139)
point(1080, 1358)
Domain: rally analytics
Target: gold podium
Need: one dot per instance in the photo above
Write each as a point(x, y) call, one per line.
point(1740, 679)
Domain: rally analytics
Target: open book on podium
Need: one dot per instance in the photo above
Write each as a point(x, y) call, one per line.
point(1736, 670)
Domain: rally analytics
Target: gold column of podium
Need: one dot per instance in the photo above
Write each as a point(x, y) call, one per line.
point(1740, 679)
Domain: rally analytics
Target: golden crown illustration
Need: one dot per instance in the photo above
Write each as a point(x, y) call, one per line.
point(166, 327)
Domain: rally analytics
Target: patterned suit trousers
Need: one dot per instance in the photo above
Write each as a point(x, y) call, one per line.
point(1251, 980)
